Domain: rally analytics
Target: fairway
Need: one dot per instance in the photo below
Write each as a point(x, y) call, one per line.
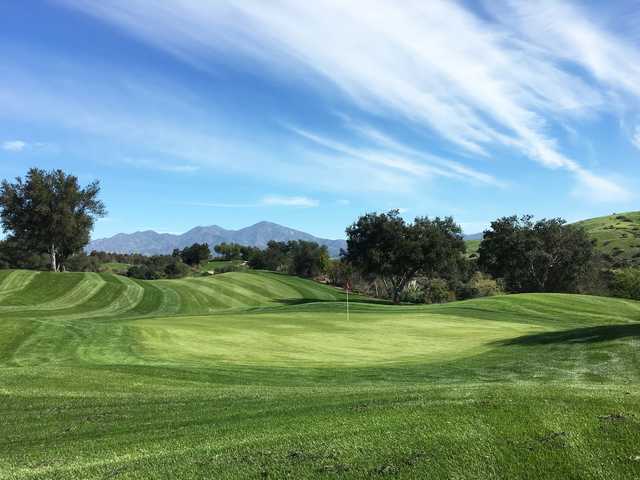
point(261, 375)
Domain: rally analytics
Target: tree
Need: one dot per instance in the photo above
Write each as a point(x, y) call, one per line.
point(626, 283)
point(229, 251)
point(48, 212)
point(308, 259)
point(386, 246)
point(545, 256)
point(195, 254)
point(176, 269)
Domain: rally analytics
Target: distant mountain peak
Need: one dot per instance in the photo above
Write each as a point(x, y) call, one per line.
point(150, 242)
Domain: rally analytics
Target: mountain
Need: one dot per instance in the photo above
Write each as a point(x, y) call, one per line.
point(153, 243)
point(474, 236)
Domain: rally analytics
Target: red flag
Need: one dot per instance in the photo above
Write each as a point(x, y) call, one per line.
point(348, 286)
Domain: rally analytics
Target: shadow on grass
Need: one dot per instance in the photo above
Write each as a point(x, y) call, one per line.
point(578, 335)
point(300, 301)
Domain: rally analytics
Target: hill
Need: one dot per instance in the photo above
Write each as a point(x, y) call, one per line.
point(617, 235)
point(261, 375)
point(153, 243)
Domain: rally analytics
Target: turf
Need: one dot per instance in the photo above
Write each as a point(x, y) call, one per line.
point(261, 375)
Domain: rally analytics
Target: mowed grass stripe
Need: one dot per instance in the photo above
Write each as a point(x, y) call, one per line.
point(234, 294)
point(14, 282)
point(63, 293)
point(126, 295)
point(258, 284)
point(156, 300)
point(197, 299)
point(116, 296)
point(305, 288)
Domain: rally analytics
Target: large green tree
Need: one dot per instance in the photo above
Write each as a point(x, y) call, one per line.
point(50, 213)
point(385, 246)
point(308, 259)
point(543, 256)
point(195, 254)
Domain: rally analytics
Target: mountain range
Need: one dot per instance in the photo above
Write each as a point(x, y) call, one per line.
point(150, 242)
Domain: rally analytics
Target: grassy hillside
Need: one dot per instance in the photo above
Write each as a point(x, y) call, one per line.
point(472, 247)
point(618, 235)
point(260, 375)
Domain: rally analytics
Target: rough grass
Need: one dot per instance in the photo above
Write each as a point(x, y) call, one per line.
point(116, 267)
point(260, 375)
point(472, 247)
point(215, 265)
point(617, 235)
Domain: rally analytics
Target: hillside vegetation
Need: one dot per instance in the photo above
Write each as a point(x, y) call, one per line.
point(261, 375)
point(618, 236)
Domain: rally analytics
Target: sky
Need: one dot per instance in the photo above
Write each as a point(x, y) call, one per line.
point(309, 114)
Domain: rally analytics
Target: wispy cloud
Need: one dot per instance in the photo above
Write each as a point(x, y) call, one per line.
point(279, 200)
point(477, 84)
point(635, 138)
point(266, 201)
point(160, 165)
point(14, 145)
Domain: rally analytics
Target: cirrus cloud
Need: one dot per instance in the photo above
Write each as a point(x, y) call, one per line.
point(14, 145)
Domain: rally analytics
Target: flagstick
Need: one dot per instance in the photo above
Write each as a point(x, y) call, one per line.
point(347, 303)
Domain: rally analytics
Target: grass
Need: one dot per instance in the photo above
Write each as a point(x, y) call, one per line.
point(216, 265)
point(472, 247)
point(617, 235)
point(260, 375)
point(116, 267)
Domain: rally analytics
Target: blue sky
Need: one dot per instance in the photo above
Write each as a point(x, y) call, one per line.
point(308, 114)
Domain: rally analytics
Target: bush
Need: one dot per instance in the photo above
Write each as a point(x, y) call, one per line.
point(232, 267)
point(142, 272)
point(485, 286)
point(436, 290)
point(82, 262)
point(479, 285)
point(176, 269)
point(626, 283)
point(414, 293)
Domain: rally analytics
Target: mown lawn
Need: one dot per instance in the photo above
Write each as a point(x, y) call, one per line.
point(259, 375)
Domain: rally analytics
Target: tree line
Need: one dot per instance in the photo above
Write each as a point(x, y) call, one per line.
point(48, 218)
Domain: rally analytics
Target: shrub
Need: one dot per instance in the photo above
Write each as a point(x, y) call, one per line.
point(232, 267)
point(436, 290)
point(485, 286)
point(414, 293)
point(626, 283)
point(176, 269)
point(479, 285)
point(82, 262)
point(142, 272)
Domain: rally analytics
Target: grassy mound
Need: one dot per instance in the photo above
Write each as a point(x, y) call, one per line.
point(618, 235)
point(261, 375)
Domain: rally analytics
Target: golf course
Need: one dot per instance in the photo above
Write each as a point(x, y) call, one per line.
point(261, 375)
